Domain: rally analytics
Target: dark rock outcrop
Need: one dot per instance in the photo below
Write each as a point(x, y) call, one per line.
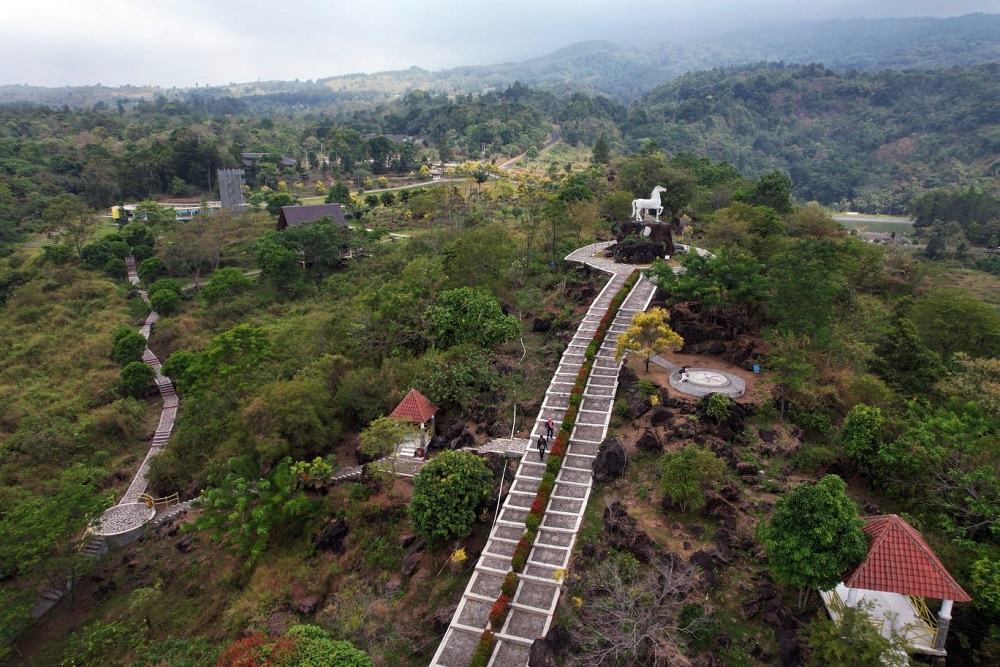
point(610, 461)
point(331, 538)
point(649, 441)
point(622, 533)
point(411, 560)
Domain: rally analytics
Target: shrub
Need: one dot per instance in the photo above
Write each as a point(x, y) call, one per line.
point(483, 650)
point(165, 302)
point(128, 346)
point(537, 508)
point(57, 253)
point(447, 493)
point(699, 629)
point(165, 284)
point(225, 283)
point(498, 614)
point(151, 269)
point(554, 463)
point(717, 407)
point(509, 585)
point(115, 268)
point(137, 379)
point(687, 474)
point(861, 435)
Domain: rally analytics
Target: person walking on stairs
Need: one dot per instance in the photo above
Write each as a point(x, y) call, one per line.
point(550, 428)
point(542, 444)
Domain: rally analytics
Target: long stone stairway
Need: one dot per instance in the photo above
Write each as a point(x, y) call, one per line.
point(537, 595)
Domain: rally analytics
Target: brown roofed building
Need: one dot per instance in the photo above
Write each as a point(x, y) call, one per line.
point(293, 216)
point(415, 408)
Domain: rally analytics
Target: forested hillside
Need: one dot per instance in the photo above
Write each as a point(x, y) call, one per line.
point(878, 362)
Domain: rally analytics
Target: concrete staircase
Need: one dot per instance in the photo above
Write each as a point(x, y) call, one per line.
point(537, 595)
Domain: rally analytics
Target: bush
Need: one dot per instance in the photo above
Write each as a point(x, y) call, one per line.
point(687, 474)
point(137, 379)
point(498, 613)
point(225, 283)
point(151, 269)
point(447, 494)
point(165, 284)
point(483, 650)
point(860, 435)
point(165, 302)
point(116, 268)
point(509, 585)
point(717, 407)
point(699, 629)
point(128, 346)
point(57, 253)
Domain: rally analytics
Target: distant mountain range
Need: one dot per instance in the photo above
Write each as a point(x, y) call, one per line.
point(624, 73)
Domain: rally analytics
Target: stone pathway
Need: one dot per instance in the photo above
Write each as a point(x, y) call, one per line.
point(537, 595)
point(168, 413)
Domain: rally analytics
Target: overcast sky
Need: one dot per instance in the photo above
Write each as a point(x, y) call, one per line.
point(211, 42)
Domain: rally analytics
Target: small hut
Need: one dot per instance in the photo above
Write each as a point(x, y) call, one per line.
point(417, 409)
point(896, 577)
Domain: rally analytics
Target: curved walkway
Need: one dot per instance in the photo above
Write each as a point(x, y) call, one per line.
point(537, 595)
point(168, 413)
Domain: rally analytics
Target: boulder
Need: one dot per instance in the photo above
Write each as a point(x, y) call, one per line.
point(660, 416)
point(411, 560)
point(405, 541)
point(789, 653)
point(649, 441)
point(767, 436)
point(331, 537)
point(542, 654)
point(437, 442)
point(441, 618)
point(542, 324)
point(610, 461)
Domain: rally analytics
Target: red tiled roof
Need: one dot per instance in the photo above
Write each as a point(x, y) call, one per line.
point(415, 408)
point(899, 561)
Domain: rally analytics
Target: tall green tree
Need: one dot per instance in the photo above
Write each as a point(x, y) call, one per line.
point(602, 150)
point(813, 537)
point(68, 216)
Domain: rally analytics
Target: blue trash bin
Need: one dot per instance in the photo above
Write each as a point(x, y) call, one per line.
point(756, 368)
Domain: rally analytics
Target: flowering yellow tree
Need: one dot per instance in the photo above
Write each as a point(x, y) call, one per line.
point(649, 333)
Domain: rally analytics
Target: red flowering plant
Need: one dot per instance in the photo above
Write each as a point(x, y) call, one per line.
point(498, 614)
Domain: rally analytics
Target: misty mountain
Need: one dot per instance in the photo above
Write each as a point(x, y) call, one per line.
point(624, 73)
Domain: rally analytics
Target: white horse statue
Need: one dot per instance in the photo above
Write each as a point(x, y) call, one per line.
point(639, 206)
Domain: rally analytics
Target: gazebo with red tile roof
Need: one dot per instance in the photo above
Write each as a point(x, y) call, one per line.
point(417, 409)
point(414, 408)
point(899, 571)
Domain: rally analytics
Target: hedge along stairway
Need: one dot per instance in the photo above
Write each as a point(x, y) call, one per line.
point(533, 601)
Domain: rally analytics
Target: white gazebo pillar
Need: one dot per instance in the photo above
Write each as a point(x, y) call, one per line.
point(944, 620)
point(852, 597)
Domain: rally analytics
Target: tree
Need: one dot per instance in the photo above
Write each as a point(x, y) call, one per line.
point(689, 474)
point(649, 333)
point(952, 320)
point(447, 495)
point(469, 315)
point(151, 269)
point(154, 215)
point(730, 281)
point(985, 582)
point(225, 283)
point(339, 194)
point(860, 436)
point(137, 378)
point(814, 536)
point(854, 640)
point(602, 150)
point(68, 216)
point(902, 360)
point(245, 511)
point(165, 302)
point(381, 436)
point(279, 199)
point(774, 189)
point(128, 346)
